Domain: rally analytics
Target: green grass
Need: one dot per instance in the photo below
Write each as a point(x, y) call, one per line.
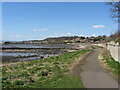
point(50, 72)
point(112, 64)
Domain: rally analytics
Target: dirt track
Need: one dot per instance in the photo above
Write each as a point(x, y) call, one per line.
point(93, 74)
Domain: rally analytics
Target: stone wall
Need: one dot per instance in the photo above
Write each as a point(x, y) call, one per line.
point(114, 49)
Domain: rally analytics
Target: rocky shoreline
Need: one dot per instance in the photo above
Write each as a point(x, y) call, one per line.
point(38, 53)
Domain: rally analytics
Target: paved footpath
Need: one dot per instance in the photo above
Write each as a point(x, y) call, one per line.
point(93, 74)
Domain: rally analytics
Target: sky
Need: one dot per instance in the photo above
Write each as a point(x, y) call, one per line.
point(56, 0)
point(40, 20)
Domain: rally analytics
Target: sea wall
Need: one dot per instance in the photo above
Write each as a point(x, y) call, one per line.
point(114, 49)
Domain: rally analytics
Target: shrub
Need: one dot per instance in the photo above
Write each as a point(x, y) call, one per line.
point(56, 63)
point(18, 82)
point(6, 84)
point(44, 73)
point(4, 78)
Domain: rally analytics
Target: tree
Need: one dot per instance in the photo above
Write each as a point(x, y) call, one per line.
point(115, 9)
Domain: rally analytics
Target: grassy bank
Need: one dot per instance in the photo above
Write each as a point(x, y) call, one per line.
point(112, 65)
point(50, 72)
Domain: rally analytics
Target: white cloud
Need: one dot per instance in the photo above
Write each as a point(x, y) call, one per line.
point(44, 29)
point(62, 34)
point(98, 26)
point(69, 33)
point(94, 35)
point(56, 34)
point(82, 35)
point(53, 36)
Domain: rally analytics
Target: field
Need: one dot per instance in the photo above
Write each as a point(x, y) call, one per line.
point(52, 72)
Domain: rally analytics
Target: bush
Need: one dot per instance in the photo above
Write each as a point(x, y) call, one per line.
point(6, 83)
point(56, 63)
point(18, 82)
point(4, 77)
point(44, 73)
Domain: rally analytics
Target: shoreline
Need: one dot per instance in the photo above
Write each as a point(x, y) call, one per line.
point(38, 53)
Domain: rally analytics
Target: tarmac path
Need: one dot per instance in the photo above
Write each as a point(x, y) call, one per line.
point(92, 74)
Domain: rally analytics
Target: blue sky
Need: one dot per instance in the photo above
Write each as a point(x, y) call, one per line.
point(39, 20)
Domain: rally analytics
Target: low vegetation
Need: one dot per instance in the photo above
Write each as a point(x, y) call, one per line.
point(111, 63)
point(52, 72)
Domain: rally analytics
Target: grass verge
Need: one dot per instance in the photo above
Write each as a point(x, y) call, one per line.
point(44, 73)
point(110, 64)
